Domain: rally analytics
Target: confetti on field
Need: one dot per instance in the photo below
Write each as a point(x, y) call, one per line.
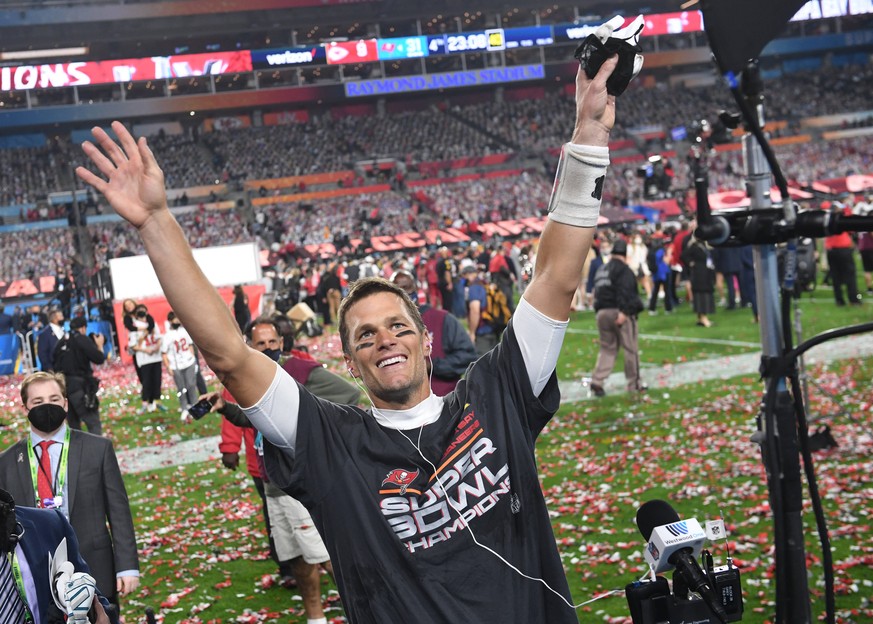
point(203, 544)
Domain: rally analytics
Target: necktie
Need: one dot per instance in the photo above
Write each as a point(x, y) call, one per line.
point(44, 476)
point(11, 607)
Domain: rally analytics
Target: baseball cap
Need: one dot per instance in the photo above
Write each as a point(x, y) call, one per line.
point(619, 248)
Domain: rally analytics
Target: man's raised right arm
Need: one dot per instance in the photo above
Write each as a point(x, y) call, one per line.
point(133, 184)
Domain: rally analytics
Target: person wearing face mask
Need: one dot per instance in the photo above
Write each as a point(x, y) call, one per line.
point(28, 537)
point(145, 346)
point(294, 541)
point(77, 473)
point(177, 351)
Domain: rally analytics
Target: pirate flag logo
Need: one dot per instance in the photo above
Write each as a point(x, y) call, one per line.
point(401, 477)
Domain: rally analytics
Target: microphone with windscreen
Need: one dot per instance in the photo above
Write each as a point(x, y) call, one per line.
point(674, 543)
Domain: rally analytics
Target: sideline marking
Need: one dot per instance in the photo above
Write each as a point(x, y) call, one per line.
point(717, 341)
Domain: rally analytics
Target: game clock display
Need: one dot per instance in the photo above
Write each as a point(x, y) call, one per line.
point(492, 40)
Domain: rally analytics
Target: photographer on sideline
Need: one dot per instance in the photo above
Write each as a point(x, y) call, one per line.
point(73, 357)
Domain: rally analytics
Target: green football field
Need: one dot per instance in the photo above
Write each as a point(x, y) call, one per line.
point(203, 546)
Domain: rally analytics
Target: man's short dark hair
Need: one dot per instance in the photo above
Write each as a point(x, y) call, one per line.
point(366, 287)
point(261, 320)
point(286, 330)
point(78, 322)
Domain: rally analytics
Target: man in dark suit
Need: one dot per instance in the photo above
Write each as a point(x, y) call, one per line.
point(83, 481)
point(31, 536)
point(48, 340)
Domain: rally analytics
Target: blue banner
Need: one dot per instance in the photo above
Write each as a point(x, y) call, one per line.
point(8, 353)
point(16, 141)
point(103, 327)
point(528, 37)
point(448, 80)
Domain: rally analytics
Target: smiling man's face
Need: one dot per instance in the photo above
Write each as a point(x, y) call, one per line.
point(387, 351)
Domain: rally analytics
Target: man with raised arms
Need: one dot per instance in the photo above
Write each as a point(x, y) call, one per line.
point(430, 507)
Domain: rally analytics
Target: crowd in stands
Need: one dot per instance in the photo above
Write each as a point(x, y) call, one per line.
point(203, 228)
point(801, 163)
point(39, 252)
point(422, 136)
point(789, 97)
point(42, 212)
point(184, 163)
point(31, 173)
point(279, 151)
point(442, 205)
point(533, 125)
point(807, 162)
point(437, 133)
point(326, 220)
point(488, 199)
point(538, 125)
point(33, 253)
point(823, 92)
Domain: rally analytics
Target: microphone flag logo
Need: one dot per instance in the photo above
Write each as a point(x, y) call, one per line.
point(715, 530)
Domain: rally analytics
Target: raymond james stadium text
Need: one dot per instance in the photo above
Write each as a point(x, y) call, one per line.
point(448, 80)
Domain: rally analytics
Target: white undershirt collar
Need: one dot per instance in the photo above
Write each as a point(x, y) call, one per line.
point(425, 413)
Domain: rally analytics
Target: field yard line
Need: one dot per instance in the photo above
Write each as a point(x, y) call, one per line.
point(671, 375)
point(206, 449)
point(163, 456)
point(715, 341)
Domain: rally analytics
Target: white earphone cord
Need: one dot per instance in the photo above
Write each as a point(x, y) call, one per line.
point(465, 524)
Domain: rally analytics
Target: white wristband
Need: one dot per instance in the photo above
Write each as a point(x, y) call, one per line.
point(579, 185)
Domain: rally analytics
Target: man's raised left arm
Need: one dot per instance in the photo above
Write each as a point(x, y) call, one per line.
point(574, 207)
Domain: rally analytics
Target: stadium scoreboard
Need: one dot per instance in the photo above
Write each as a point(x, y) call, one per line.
point(77, 73)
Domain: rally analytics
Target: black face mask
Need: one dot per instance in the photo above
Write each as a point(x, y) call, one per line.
point(47, 417)
point(273, 354)
point(175, 325)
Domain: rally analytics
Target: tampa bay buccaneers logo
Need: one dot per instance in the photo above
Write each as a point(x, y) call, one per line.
point(400, 477)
